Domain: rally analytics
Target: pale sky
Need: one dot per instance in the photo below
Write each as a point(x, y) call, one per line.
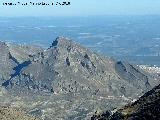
point(83, 8)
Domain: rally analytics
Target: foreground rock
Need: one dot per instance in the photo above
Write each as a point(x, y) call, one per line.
point(146, 107)
point(68, 81)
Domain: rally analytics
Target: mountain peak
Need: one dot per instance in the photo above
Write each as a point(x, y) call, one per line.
point(60, 40)
point(70, 72)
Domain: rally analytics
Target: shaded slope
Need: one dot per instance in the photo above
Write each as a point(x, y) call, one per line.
point(146, 107)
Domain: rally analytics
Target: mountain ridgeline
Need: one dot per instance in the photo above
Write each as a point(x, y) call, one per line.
point(69, 72)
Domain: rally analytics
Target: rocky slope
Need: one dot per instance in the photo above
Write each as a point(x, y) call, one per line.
point(7, 113)
point(67, 80)
point(146, 107)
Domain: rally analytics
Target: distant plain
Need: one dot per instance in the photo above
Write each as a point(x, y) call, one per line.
point(131, 38)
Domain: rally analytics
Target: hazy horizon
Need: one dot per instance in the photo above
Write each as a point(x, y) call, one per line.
point(84, 8)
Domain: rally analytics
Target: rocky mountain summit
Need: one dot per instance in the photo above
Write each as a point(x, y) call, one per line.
point(67, 80)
